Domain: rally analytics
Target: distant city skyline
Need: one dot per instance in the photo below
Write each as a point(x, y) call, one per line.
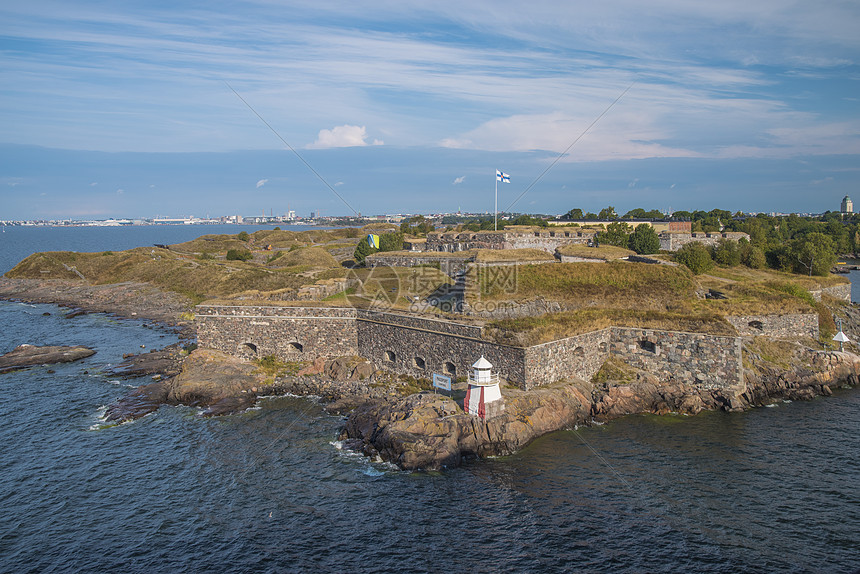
point(127, 109)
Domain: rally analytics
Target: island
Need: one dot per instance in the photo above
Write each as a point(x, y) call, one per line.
point(574, 329)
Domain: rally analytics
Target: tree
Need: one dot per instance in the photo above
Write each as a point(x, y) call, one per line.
point(239, 255)
point(617, 233)
point(362, 250)
point(574, 214)
point(243, 236)
point(696, 257)
point(390, 242)
point(529, 220)
point(637, 213)
point(607, 214)
point(726, 252)
point(644, 240)
point(755, 258)
point(814, 253)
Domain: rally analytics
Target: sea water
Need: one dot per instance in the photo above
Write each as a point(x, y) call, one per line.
point(269, 490)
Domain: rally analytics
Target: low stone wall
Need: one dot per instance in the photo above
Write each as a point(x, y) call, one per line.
point(449, 265)
point(579, 357)
point(842, 292)
point(705, 362)
point(673, 241)
point(781, 326)
point(547, 241)
point(291, 333)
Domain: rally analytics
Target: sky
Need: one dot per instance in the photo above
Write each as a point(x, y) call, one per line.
point(139, 109)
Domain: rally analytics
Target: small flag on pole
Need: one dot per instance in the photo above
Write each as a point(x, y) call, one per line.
point(503, 177)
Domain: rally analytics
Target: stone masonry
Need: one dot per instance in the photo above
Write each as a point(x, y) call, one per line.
point(780, 326)
point(421, 346)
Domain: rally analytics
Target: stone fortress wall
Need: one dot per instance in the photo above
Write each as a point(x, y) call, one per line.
point(422, 346)
point(550, 240)
point(673, 241)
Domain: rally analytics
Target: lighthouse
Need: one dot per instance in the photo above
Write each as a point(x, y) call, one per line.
point(483, 397)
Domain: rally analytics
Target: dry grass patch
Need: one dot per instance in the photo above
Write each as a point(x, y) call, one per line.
point(604, 252)
point(512, 255)
point(613, 285)
point(311, 257)
point(527, 331)
point(396, 287)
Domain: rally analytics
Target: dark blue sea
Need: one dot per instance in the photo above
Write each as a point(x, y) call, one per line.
point(268, 490)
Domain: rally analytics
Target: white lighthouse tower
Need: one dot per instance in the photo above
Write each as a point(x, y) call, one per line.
point(483, 397)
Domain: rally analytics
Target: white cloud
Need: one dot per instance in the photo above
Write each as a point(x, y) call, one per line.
point(459, 180)
point(343, 136)
point(120, 191)
point(261, 183)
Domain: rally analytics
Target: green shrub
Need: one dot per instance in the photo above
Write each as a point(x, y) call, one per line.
point(644, 240)
point(239, 255)
point(696, 257)
point(726, 253)
point(243, 236)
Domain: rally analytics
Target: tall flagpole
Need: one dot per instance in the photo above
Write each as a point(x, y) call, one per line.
point(496, 206)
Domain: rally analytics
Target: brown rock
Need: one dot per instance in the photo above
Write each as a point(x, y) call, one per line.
point(28, 355)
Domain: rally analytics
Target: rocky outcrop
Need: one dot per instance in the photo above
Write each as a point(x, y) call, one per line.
point(210, 379)
point(816, 375)
point(427, 431)
point(24, 356)
point(224, 384)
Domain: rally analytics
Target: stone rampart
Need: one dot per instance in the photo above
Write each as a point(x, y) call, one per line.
point(780, 326)
point(422, 346)
point(449, 265)
point(547, 241)
point(404, 344)
point(703, 361)
point(291, 333)
point(580, 356)
point(673, 241)
point(842, 291)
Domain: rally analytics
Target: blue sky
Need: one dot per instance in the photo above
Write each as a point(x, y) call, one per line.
point(125, 109)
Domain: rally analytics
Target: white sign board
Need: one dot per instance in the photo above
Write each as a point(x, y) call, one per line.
point(442, 382)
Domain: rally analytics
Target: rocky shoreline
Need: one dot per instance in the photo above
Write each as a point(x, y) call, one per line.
point(130, 300)
point(384, 418)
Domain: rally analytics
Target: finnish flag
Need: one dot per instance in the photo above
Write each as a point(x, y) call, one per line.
point(503, 177)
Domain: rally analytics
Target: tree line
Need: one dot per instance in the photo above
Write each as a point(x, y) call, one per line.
point(793, 243)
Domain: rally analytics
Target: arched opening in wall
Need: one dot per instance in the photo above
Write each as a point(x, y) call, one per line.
point(602, 347)
point(756, 325)
point(295, 346)
point(248, 351)
point(450, 369)
point(419, 363)
point(389, 357)
point(579, 352)
point(649, 346)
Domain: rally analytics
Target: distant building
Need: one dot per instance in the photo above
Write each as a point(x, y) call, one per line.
point(847, 205)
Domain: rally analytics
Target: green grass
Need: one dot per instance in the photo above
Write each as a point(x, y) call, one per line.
point(526, 331)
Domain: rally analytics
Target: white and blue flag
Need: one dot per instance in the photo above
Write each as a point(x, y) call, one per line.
point(503, 177)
